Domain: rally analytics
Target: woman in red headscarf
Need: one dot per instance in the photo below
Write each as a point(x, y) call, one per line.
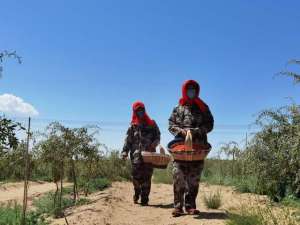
point(191, 114)
point(143, 135)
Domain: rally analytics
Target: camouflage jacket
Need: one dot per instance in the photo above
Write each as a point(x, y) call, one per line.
point(141, 138)
point(190, 117)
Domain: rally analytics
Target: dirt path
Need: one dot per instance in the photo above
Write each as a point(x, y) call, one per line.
point(14, 191)
point(114, 206)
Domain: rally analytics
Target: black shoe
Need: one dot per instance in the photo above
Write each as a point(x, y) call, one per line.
point(192, 211)
point(144, 202)
point(177, 212)
point(135, 199)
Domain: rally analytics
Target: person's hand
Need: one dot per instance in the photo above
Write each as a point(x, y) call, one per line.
point(153, 147)
point(183, 132)
point(195, 131)
point(198, 131)
point(124, 155)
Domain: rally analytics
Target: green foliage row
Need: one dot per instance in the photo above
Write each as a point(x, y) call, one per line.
point(45, 204)
point(93, 185)
point(10, 214)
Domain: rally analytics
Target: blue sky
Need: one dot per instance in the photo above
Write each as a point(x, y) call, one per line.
point(88, 61)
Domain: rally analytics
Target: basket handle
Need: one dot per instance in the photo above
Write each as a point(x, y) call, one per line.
point(189, 140)
point(161, 149)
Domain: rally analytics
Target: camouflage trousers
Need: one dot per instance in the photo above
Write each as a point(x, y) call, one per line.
point(186, 178)
point(141, 177)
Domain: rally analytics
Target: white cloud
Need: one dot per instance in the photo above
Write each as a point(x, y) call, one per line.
point(16, 106)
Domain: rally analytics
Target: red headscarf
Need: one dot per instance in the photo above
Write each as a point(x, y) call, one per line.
point(185, 100)
point(136, 120)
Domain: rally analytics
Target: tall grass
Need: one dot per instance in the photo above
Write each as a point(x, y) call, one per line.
point(11, 213)
point(291, 201)
point(163, 176)
point(259, 215)
point(45, 205)
point(213, 200)
point(219, 172)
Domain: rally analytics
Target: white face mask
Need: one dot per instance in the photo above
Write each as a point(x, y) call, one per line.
point(191, 93)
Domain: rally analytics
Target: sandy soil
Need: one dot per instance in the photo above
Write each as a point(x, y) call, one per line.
point(14, 191)
point(114, 206)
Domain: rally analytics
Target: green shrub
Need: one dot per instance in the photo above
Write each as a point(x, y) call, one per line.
point(114, 168)
point(163, 176)
point(82, 201)
point(45, 204)
point(246, 185)
point(244, 219)
point(291, 201)
point(213, 201)
point(273, 153)
point(11, 215)
point(110, 166)
point(93, 185)
point(258, 215)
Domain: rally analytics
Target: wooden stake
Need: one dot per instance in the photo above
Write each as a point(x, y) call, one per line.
point(23, 218)
point(246, 140)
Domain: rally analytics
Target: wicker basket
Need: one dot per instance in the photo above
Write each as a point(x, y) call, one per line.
point(188, 151)
point(189, 155)
point(194, 155)
point(158, 160)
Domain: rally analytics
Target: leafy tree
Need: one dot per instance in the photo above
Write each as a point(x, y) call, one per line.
point(63, 148)
point(274, 152)
point(8, 127)
point(52, 151)
point(79, 145)
point(231, 149)
point(8, 139)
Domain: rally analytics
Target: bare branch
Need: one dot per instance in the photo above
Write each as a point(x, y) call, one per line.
point(6, 54)
point(288, 73)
